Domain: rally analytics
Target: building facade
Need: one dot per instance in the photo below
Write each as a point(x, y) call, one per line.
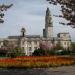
point(65, 40)
point(29, 43)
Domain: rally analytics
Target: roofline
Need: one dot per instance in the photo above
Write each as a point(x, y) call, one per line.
point(64, 33)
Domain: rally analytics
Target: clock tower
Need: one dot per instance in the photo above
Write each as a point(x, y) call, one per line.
point(48, 31)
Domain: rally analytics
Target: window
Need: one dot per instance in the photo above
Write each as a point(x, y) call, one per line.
point(68, 43)
point(35, 48)
point(64, 43)
point(30, 53)
point(29, 42)
point(64, 35)
point(30, 49)
point(23, 42)
point(35, 42)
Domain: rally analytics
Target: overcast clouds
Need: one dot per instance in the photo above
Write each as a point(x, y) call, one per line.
point(31, 15)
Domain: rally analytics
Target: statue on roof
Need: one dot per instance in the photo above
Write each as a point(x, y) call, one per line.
point(23, 31)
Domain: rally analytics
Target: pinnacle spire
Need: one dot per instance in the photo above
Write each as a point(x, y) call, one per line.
point(48, 18)
point(47, 12)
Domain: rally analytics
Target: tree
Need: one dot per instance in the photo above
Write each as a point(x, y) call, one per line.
point(41, 52)
point(68, 10)
point(73, 46)
point(3, 51)
point(15, 52)
point(3, 8)
point(46, 45)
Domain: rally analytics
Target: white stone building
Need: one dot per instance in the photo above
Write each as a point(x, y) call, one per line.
point(1, 42)
point(29, 43)
point(65, 40)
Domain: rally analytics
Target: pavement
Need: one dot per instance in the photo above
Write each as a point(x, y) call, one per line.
point(65, 70)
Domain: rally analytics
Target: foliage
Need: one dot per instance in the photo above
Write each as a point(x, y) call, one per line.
point(47, 49)
point(41, 52)
point(55, 50)
point(3, 8)
point(73, 46)
point(3, 52)
point(63, 52)
point(68, 10)
point(38, 52)
point(16, 52)
point(46, 45)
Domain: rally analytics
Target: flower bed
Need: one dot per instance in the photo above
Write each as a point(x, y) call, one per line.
point(36, 62)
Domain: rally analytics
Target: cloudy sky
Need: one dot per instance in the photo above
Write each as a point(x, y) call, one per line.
point(31, 15)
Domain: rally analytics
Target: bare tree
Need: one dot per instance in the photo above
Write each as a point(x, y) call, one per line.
point(3, 8)
point(68, 10)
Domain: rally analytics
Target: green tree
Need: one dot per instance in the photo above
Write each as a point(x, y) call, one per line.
point(16, 52)
point(39, 52)
point(42, 52)
point(73, 46)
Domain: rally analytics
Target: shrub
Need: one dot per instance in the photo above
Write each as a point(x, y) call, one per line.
point(40, 52)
